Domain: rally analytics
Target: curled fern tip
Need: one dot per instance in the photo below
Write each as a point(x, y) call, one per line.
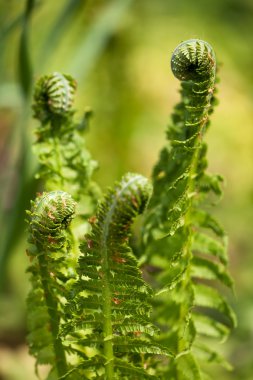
point(51, 213)
point(193, 59)
point(53, 95)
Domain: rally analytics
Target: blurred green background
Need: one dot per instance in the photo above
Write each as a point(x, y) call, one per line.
point(119, 52)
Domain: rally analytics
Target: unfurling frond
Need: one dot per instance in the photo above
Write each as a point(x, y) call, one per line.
point(110, 312)
point(51, 214)
point(91, 312)
point(53, 96)
point(52, 264)
point(65, 169)
point(179, 233)
point(65, 164)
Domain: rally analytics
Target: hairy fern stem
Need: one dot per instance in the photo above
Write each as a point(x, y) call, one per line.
point(107, 297)
point(58, 159)
point(53, 311)
point(191, 190)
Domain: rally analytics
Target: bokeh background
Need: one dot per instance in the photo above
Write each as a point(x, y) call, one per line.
point(119, 52)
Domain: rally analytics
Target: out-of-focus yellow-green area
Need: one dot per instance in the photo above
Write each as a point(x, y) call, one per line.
point(119, 52)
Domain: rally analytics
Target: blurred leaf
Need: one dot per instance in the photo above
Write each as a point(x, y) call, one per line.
point(14, 218)
point(100, 32)
point(188, 367)
point(209, 270)
point(25, 65)
point(208, 297)
point(207, 245)
point(57, 32)
point(210, 327)
point(12, 25)
point(208, 355)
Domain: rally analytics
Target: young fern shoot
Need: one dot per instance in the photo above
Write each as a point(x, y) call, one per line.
point(64, 162)
point(51, 266)
point(109, 307)
point(65, 166)
point(179, 234)
point(89, 309)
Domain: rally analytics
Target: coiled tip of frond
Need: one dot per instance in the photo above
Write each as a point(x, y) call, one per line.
point(138, 189)
point(51, 213)
point(122, 204)
point(53, 96)
point(193, 59)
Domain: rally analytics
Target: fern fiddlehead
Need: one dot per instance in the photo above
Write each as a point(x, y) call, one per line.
point(179, 233)
point(49, 219)
point(51, 213)
point(53, 95)
point(111, 304)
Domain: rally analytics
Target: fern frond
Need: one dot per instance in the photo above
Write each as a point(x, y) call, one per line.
point(64, 162)
point(52, 264)
point(109, 307)
point(180, 236)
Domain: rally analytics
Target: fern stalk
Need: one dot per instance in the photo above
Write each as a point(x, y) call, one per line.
point(197, 99)
point(107, 310)
point(52, 307)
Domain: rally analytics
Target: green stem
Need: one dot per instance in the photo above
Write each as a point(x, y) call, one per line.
point(74, 244)
point(184, 309)
point(52, 307)
point(58, 160)
point(196, 145)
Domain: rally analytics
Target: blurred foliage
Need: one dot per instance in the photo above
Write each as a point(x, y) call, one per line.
point(119, 51)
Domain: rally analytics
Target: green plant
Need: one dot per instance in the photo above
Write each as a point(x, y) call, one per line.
point(90, 309)
point(180, 234)
point(52, 264)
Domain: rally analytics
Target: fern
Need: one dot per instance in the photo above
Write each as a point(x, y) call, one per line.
point(180, 235)
point(66, 166)
point(50, 243)
point(90, 308)
point(64, 162)
point(109, 307)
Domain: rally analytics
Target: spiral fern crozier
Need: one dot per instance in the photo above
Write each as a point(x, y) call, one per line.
point(51, 214)
point(53, 95)
point(193, 60)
